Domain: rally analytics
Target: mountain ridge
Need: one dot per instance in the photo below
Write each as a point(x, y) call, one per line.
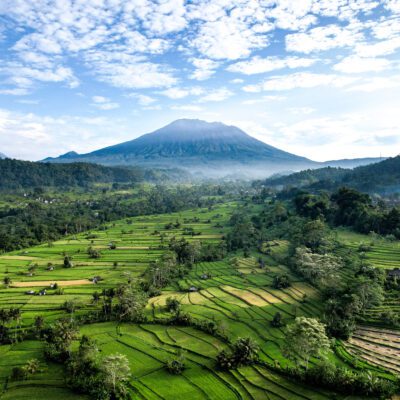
point(380, 177)
point(208, 148)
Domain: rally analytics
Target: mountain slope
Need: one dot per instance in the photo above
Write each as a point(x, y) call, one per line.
point(211, 149)
point(2, 156)
point(199, 146)
point(381, 177)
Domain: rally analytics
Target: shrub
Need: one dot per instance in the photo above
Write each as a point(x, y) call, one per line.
point(176, 365)
point(172, 304)
point(19, 374)
point(281, 281)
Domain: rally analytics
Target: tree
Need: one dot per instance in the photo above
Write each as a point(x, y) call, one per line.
point(19, 374)
point(370, 293)
point(93, 253)
point(116, 370)
point(38, 324)
point(314, 234)
point(59, 339)
point(320, 269)
point(68, 262)
point(281, 281)
point(277, 320)
point(245, 351)
point(32, 366)
point(176, 365)
point(7, 281)
point(131, 304)
point(172, 304)
point(306, 338)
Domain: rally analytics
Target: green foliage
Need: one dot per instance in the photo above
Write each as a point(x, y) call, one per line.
point(281, 281)
point(320, 269)
point(244, 352)
point(19, 374)
point(348, 382)
point(102, 378)
point(172, 304)
point(59, 338)
point(131, 303)
point(15, 174)
point(176, 365)
point(306, 338)
point(277, 320)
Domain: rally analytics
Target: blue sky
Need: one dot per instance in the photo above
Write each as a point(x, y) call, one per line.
point(319, 78)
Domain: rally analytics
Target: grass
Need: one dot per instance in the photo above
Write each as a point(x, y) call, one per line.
point(238, 296)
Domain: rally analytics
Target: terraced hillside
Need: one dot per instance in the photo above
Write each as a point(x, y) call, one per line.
point(137, 241)
point(372, 344)
point(236, 293)
point(380, 252)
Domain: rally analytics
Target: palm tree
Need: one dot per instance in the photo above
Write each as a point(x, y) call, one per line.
point(32, 366)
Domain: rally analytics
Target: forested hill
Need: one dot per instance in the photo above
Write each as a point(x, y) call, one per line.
point(15, 174)
point(382, 177)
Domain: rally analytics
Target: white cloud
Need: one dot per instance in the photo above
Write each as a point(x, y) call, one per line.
point(382, 48)
point(14, 92)
point(104, 103)
point(347, 135)
point(324, 38)
point(301, 110)
point(374, 84)
point(299, 80)
point(180, 93)
point(204, 68)
point(258, 65)
point(355, 64)
point(263, 99)
point(343, 9)
point(229, 31)
point(216, 95)
point(125, 71)
point(393, 5)
point(33, 137)
point(187, 107)
point(143, 99)
point(237, 81)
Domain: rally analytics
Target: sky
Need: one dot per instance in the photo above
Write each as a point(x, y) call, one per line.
point(318, 78)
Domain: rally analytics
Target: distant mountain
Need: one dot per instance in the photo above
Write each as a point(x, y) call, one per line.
point(210, 149)
point(352, 163)
point(2, 156)
point(199, 146)
point(382, 177)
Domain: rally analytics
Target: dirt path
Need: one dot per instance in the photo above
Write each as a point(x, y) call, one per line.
point(48, 283)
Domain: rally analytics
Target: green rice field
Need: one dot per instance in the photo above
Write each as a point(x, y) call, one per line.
point(237, 295)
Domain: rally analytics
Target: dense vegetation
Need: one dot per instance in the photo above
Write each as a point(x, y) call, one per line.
point(203, 291)
point(39, 217)
point(15, 174)
point(382, 177)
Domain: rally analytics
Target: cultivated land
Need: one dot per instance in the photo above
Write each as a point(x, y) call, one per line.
point(372, 343)
point(237, 294)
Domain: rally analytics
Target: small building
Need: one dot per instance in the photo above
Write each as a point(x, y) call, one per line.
point(193, 289)
point(30, 292)
point(42, 292)
point(51, 268)
point(204, 276)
